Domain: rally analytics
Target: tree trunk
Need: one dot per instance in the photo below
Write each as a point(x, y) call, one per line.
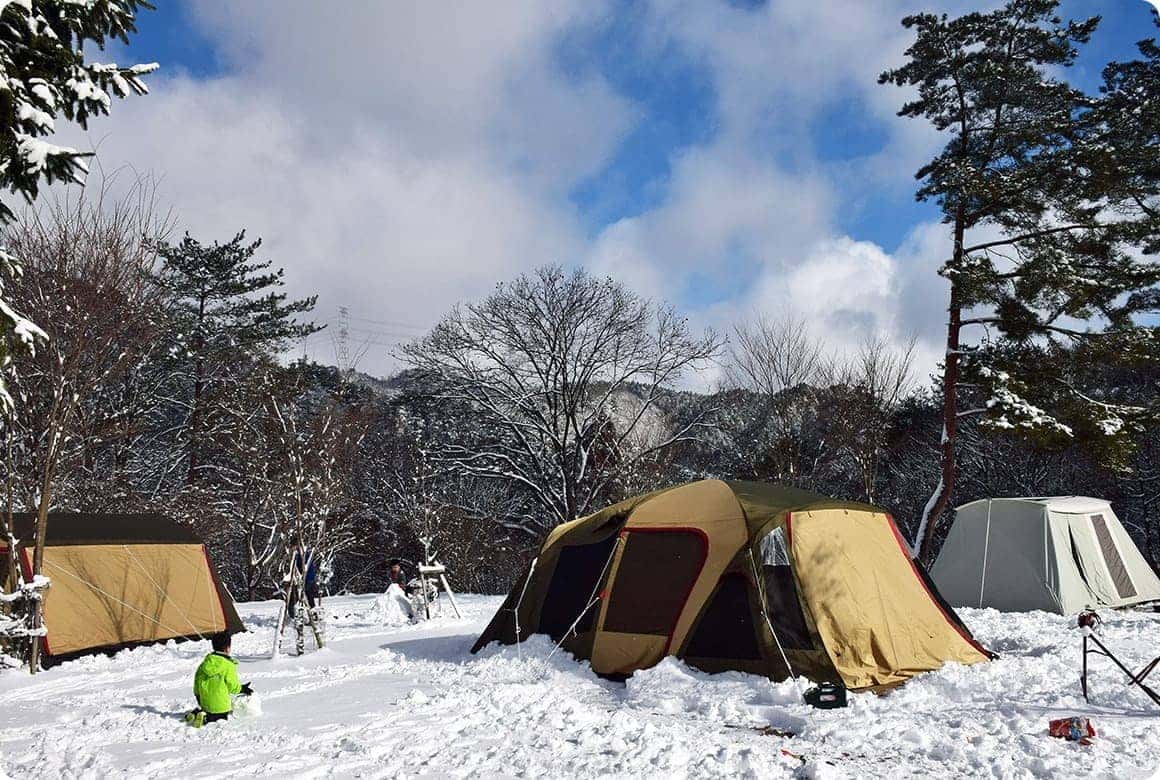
point(941, 496)
point(250, 581)
point(198, 390)
point(13, 573)
point(38, 554)
point(195, 420)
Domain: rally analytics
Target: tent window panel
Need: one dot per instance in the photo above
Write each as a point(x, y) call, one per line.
point(576, 576)
point(785, 610)
point(726, 628)
point(656, 573)
point(773, 551)
point(1116, 567)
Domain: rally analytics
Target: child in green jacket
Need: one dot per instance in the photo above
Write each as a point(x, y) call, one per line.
point(216, 683)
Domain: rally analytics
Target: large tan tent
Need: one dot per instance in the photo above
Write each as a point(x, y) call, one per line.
point(737, 575)
point(1060, 554)
point(121, 580)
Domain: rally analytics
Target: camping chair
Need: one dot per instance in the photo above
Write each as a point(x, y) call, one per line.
point(1088, 622)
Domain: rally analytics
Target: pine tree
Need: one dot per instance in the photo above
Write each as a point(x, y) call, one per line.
point(228, 306)
point(1044, 174)
point(45, 75)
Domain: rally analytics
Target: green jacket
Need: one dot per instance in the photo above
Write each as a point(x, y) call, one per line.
point(216, 679)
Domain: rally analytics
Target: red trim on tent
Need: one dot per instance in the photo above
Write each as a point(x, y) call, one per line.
point(692, 583)
point(213, 584)
point(788, 534)
point(914, 568)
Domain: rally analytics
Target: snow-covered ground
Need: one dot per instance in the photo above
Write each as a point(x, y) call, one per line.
point(385, 701)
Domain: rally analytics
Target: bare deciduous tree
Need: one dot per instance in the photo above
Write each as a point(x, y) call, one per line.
point(780, 361)
point(538, 363)
point(88, 258)
point(877, 379)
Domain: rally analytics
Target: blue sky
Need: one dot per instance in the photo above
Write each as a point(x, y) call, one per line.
point(732, 157)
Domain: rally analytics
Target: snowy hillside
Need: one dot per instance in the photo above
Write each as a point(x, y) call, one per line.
point(410, 700)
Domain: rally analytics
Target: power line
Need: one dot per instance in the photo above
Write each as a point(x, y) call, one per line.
point(387, 333)
point(389, 323)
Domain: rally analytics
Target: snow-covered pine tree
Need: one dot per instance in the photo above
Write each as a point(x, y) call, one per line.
point(1048, 212)
point(44, 75)
point(228, 305)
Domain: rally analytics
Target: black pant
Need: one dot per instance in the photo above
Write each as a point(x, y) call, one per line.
point(211, 717)
point(311, 597)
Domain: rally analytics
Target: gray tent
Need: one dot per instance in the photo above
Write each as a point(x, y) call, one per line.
point(1060, 554)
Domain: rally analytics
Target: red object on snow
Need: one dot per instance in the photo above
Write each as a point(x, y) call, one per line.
point(1072, 729)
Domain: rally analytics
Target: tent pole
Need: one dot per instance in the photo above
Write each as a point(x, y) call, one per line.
point(986, 547)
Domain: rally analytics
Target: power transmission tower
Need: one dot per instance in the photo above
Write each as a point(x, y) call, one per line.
point(342, 342)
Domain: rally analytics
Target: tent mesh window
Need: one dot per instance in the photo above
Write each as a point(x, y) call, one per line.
point(785, 610)
point(726, 628)
point(647, 598)
point(576, 576)
point(1112, 557)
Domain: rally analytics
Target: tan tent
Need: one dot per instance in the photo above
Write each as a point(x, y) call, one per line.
point(122, 580)
point(737, 575)
point(1060, 554)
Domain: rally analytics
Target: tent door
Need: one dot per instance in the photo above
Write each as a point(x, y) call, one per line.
point(1093, 567)
point(726, 629)
point(576, 577)
point(781, 594)
point(1115, 563)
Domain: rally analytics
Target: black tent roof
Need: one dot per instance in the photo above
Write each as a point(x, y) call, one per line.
point(66, 528)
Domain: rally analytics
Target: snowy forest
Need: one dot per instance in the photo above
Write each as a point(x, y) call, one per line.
point(556, 395)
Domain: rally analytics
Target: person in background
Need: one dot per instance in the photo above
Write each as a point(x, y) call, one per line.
point(309, 578)
point(216, 683)
point(396, 576)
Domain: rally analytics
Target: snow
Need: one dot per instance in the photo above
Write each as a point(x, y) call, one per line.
point(36, 152)
point(407, 700)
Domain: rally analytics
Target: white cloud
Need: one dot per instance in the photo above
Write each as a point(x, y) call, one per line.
point(399, 157)
point(393, 158)
point(758, 193)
